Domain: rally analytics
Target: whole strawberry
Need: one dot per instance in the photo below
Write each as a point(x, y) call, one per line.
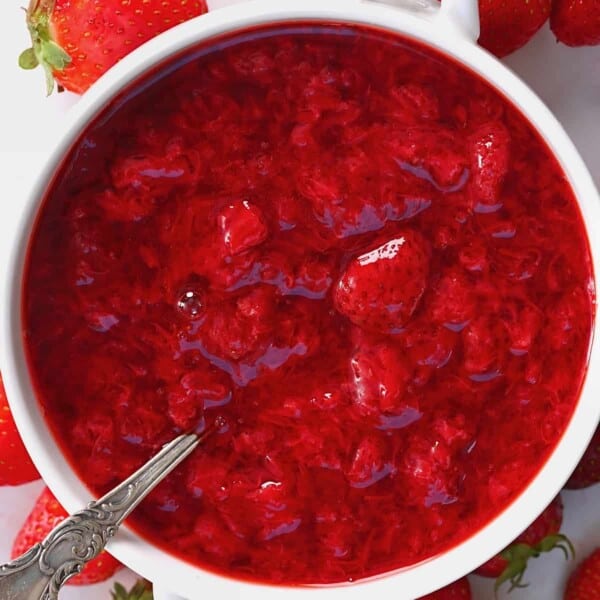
point(587, 472)
point(380, 289)
point(15, 465)
point(584, 583)
point(76, 41)
point(576, 22)
point(46, 514)
point(459, 590)
point(506, 25)
point(541, 536)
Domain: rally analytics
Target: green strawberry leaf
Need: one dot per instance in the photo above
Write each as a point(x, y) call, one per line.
point(54, 55)
point(517, 556)
point(44, 51)
point(28, 59)
point(142, 590)
point(49, 78)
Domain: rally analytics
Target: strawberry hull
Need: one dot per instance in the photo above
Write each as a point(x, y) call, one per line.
point(196, 274)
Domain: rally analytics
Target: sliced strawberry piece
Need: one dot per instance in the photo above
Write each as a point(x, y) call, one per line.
point(242, 226)
point(380, 375)
point(149, 173)
point(430, 472)
point(380, 289)
point(437, 151)
point(416, 102)
point(369, 464)
point(489, 148)
point(339, 197)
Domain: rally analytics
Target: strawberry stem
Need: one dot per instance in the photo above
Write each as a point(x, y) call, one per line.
point(44, 50)
point(142, 590)
point(518, 555)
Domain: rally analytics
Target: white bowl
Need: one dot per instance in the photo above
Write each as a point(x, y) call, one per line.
point(451, 30)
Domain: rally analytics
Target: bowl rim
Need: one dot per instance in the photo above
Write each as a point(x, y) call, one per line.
point(174, 573)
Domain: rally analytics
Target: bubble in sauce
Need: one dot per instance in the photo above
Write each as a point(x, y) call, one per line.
point(191, 303)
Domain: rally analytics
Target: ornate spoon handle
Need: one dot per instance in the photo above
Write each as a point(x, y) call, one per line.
point(41, 571)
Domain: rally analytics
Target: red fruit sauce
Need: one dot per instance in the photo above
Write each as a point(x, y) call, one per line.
point(216, 243)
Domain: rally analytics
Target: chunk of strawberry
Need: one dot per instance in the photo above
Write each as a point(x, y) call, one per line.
point(380, 375)
point(369, 463)
point(564, 325)
point(338, 197)
point(239, 327)
point(318, 448)
point(452, 299)
point(473, 256)
point(197, 390)
point(489, 149)
point(380, 289)
point(430, 472)
point(482, 345)
point(152, 174)
point(125, 206)
point(517, 262)
point(435, 150)
point(415, 101)
point(242, 226)
point(522, 323)
point(429, 346)
point(207, 476)
point(454, 429)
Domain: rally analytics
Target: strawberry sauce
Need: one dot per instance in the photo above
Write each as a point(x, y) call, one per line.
point(354, 250)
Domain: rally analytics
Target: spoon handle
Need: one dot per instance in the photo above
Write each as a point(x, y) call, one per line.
point(43, 569)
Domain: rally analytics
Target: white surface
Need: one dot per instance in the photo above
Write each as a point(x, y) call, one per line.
point(571, 88)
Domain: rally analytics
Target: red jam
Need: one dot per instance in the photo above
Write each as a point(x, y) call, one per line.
point(356, 252)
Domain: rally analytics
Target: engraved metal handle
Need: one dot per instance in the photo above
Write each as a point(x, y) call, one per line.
point(40, 572)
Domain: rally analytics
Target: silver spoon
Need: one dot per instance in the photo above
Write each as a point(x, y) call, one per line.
point(43, 569)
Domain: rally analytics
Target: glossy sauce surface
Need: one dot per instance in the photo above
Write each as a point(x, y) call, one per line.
point(351, 248)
